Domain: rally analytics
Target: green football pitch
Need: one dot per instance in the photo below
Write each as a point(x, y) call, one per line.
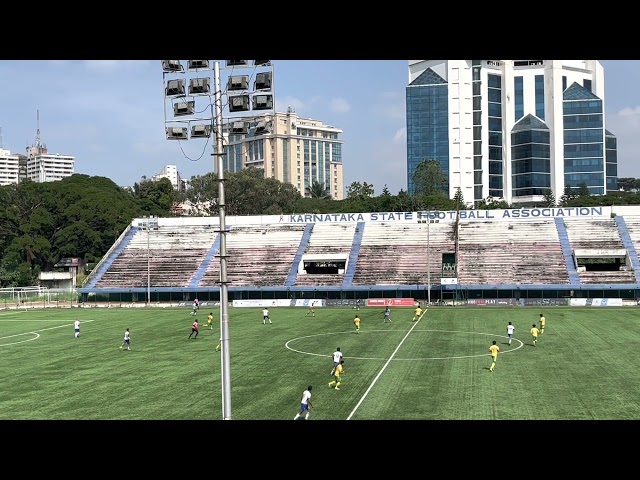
point(585, 365)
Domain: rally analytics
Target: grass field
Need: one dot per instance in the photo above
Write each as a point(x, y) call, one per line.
point(585, 366)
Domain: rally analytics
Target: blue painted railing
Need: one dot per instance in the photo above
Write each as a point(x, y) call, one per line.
point(111, 257)
point(628, 244)
point(353, 256)
point(204, 265)
point(304, 241)
point(574, 277)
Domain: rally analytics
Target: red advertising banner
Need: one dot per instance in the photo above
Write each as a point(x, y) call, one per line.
point(392, 302)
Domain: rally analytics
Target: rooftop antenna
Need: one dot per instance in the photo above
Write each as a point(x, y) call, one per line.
point(37, 143)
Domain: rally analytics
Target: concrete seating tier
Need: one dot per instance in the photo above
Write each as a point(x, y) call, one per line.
point(327, 238)
point(319, 280)
point(258, 255)
point(510, 252)
point(395, 254)
point(608, 277)
point(167, 268)
point(599, 234)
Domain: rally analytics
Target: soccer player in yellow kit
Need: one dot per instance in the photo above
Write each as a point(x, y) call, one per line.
point(210, 321)
point(416, 314)
point(335, 383)
point(534, 332)
point(356, 322)
point(494, 349)
point(542, 322)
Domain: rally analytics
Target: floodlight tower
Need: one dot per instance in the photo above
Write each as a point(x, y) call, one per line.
point(249, 99)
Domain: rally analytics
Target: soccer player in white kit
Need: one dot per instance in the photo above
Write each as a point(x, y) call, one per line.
point(76, 328)
point(510, 330)
point(265, 316)
point(305, 404)
point(337, 356)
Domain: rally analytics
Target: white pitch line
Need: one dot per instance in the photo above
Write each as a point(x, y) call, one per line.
point(41, 330)
point(384, 367)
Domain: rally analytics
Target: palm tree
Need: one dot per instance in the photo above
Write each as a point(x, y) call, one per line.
point(318, 190)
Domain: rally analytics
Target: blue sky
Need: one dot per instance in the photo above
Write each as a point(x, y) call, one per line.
point(109, 114)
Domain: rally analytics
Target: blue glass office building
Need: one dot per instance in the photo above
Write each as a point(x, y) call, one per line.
point(510, 129)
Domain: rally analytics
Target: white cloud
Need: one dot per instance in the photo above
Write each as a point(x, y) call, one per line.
point(109, 66)
point(625, 125)
point(339, 105)
point(400, 136)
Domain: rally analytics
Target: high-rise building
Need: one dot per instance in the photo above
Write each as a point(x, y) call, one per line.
point(9, 168)
point(299, 151)
point(171, 173)
point(511, 129)
point(48, 167)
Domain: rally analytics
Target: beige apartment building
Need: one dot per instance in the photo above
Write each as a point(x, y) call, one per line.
point(294, 150)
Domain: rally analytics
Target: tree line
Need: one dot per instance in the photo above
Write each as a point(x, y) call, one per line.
point(82, 216)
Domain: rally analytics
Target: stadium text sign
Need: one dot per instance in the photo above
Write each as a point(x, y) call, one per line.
point(392, 302)
point(465, 215)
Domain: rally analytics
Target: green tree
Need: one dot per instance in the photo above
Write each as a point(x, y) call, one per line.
point(359, 190)
point(549, 198)
point(628, 184)
point(385, 191)
point(429, 178)
point(458, 200)
point(583, 190)
point(568, 195)
point(318, 190)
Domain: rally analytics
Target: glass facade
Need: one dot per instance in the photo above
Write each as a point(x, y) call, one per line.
point(611, 157)
point(583, 139)
point(477, 130)
point(494, 97)
point(518, 97)
point(530, 157)
point(427, 101)
point(540, 96)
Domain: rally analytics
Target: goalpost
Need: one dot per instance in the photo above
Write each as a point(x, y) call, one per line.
point(22, 297)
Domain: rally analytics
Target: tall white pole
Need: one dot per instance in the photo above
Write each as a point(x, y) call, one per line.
point(148, 261)
point(224, 294)
point(428, 260)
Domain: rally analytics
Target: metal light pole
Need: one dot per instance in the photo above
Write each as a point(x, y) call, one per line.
point(148, 261)
point(428, 260)
point(224, 292)
point(183, 126)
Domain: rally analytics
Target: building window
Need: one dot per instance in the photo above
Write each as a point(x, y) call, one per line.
point(540, 96)
point(587, 84)
point(519, 97)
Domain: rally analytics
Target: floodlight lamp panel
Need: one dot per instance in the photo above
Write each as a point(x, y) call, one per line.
point(176, 133)
point(239, 103)
point(240, 127)
point(199, 86)
point(263, 81)
point(175, 87)
point(238, 82)
point(171, 66)
point(198, 64)
point(262, 102)
point(184, 108)
point(237, 63)
point(201, 131)
point(262, 63)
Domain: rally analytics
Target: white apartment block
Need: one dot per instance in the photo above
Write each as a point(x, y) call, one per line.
point(48, 167)
point(9, 168)
point(291, 149)
point(511, 129)
point(171, 173)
